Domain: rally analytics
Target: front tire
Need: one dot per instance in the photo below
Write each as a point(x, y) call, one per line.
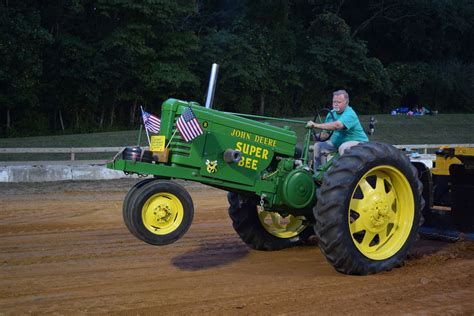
point(262, 230)
point(368, 209)
point(159, 212)
point(126, 203)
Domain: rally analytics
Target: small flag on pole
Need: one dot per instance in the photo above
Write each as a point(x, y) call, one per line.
point(152, 123)
point(188, 125)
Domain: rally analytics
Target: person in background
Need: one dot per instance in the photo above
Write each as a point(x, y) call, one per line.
point(372, 123)
point(347, 129)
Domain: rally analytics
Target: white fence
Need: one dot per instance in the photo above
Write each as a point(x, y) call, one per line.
point(423, 148)
point(72, 151)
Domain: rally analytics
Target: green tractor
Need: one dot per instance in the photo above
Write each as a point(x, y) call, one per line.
point(364, 206)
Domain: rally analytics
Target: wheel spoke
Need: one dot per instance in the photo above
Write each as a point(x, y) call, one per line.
point(276, 218)
point(357, 225)
point(384, 235)
point(380, 185)
point(391, 199)
point(365, 187)
point(368, 237)
point(357, 205)
point(279, 226)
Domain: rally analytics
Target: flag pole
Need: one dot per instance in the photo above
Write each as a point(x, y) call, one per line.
point(171, 138)
point(146, 129)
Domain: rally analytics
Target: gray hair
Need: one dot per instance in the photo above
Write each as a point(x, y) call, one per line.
point(342, 92)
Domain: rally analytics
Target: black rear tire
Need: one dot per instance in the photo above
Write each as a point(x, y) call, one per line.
point(246, 222)
point(368, 210)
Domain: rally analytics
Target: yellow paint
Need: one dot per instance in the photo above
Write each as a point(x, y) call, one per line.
point(211, 166)
point(464, 151)
point(256, 138)
point(281, 227)
point(442, 164)
point(157, 143)
point(250, 155)
point(251, 150)
point(240, 134)
point(265, 140)
point(248, 163)
point(383, 218)
point(162, 213)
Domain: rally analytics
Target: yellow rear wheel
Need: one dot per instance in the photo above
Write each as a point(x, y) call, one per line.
point(368, 210)
point(281, 227)
point(381, 212)
point(263, 230)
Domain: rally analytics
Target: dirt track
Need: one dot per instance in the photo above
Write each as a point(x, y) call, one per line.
point(64, 249)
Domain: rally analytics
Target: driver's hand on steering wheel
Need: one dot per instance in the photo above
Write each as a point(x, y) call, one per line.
point(310, 124)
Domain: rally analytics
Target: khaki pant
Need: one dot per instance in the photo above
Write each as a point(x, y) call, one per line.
point(322, 149)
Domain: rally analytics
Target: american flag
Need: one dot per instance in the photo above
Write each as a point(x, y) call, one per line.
point(188, 125)
point(152, 123)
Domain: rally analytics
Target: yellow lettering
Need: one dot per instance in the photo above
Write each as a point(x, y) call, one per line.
point(253, 149)
point(254, 164)
point(245, 148)
point(247, 163)
point(240, 134)
point(265, 140)
point(251, 152)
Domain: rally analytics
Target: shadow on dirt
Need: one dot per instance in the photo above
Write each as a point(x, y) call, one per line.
point(210, 255)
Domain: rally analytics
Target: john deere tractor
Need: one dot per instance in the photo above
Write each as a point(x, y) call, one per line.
point(363, 206)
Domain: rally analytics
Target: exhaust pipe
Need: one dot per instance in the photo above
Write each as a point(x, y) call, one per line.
point(212, 86)
point(232, 156)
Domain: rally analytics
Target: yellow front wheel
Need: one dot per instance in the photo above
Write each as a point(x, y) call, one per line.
point(159, 212)
point(368, 209)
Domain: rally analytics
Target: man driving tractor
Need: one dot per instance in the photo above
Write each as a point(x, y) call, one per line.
point(346, 127)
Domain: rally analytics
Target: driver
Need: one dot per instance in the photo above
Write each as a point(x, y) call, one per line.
point(347, 129)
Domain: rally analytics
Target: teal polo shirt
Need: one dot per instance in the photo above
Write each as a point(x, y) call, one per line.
point(352, 131)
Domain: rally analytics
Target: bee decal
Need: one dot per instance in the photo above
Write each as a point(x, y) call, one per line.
point(211, 166)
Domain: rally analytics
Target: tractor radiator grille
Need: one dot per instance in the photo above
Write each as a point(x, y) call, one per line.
point(178, 146)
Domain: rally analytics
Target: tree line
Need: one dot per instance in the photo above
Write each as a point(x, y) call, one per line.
point(81, 65)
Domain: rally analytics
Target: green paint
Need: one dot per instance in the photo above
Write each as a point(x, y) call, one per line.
point(267, 166)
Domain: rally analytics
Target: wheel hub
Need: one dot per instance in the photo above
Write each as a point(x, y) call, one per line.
point(379, 215)
point(162, 213)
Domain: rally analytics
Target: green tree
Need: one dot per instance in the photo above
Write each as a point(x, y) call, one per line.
point(21, 42)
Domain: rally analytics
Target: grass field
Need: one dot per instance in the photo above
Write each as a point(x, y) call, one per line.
point(439, 129)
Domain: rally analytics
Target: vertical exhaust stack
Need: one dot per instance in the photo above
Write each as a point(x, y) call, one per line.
point(212, 86)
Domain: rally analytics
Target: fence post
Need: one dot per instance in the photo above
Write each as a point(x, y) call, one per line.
point(73, 155)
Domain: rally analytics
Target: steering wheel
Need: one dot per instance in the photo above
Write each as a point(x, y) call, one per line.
point(318, 118)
